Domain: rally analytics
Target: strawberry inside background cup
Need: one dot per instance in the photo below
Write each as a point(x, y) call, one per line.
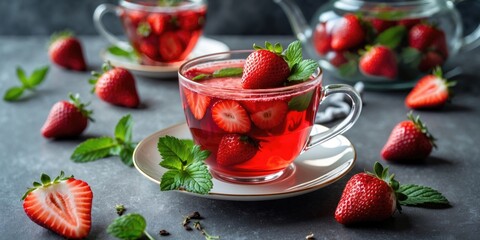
point(253, 135)
point(161, 32)
point(414, 36)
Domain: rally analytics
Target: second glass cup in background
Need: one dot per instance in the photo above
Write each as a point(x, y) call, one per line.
point(160, 33)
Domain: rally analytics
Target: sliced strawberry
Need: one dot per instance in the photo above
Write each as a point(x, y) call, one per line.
point(230, 116)
point(158, 22)
point(171, 46)
point(431, 91)
point(267, 114)
point(148, 46)
point(235, 149)
point(198, 103)
point(63, 205)
point(190, 20)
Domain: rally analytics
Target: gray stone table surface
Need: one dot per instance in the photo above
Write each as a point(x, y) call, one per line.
point(453, 168)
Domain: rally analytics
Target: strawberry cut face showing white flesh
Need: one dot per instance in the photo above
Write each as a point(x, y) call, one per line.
point(64, 207)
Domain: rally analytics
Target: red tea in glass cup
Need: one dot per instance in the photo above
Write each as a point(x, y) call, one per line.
point(161, 34)
point(272, 126)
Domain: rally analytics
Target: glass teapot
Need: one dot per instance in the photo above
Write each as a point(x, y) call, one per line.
point(387, 45)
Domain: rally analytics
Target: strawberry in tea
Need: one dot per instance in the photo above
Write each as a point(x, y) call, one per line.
point(254, 110)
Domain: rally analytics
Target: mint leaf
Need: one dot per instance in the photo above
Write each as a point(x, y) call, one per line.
point(420, 195)
point(199, 154)
point(391, 37)
point(303, 70)
point(38, 76)
point(228, 72)
point(187, 169)
point(94, 149)
point(171, 180)
point(196, 178)
point(120, 52)
point(97, 148)
point(129, 226)
point(293, 54)
point(13, 93)
point(123, 130)
point(201, 77)
point(410, 57)
point(348, 69)
point(301, 102)
point(173, 151)
point(22, 77)
point(126, 155)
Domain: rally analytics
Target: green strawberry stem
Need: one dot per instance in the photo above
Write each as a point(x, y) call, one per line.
point(422, 127)
point(107, 66)
point(60, 35)
point(46, 181)
point(75, 100)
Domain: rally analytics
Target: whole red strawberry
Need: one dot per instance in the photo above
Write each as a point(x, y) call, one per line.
point(379, 61)
point(425, 37)
point(66, 51)
point(431, 92)
point(63, 205)
point(116, 86)
point(430, 60)
point(271, 67)
point(322, 38)
point(66, 119)
point(348, 33)
point(235, 149)
point(368, 197)
point(409, 141)
point(264, 69)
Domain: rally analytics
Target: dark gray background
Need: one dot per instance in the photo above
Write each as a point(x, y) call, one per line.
point(225, 17)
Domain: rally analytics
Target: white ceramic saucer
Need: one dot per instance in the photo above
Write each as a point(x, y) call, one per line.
point(314, 169)
point(204, 46)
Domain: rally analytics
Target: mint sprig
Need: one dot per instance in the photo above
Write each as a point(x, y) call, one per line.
point(97, 148)
point(129, 226)
point(28, 83)
point(187, 169)
point(392, 37)
point(300, 69)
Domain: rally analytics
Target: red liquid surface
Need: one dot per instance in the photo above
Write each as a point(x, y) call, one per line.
point(278, 145)
point(162, 37)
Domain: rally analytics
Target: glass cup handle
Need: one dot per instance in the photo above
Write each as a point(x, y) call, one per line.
point(97, 20)
point(347, 123)
point(472, 40)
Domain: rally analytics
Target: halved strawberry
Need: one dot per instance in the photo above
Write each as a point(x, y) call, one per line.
point(230, 116)
point(158, 22)
point(170, 46)
point(235, 149)
point(63, 205)
point(267, 114)
point(431, 91)
point(198, 103)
